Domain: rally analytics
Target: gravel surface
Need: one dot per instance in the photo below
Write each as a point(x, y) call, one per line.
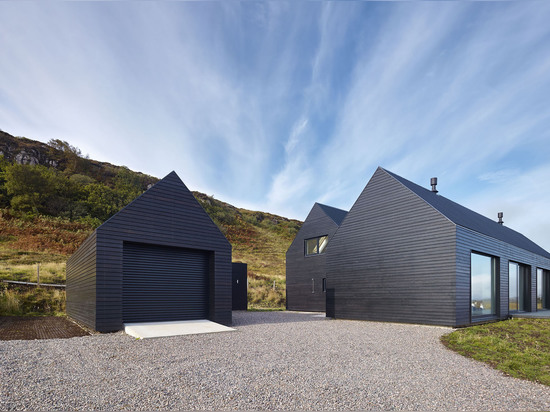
point(275, 360)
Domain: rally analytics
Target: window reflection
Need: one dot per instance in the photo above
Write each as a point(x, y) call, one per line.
point(543, 289)
point(518, 287)
point(483, 270)
point(316, 245)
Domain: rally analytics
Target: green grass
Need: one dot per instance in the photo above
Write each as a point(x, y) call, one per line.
point(50, 272)
point(31, 301)
point(261, 309)
point(517, 347)
point(260, 240)
point(10, 256)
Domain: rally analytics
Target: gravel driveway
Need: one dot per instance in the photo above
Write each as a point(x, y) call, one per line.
point(275, 360)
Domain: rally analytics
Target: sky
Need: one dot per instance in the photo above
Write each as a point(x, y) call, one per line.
point(276, 105)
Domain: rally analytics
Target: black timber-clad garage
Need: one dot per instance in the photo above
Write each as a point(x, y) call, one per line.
point(161, 258)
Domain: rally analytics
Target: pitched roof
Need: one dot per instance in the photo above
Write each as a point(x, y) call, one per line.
point(467, 218)
point(337, 215)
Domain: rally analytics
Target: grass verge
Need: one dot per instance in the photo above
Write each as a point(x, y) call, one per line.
point(50, 272)
point(517, 347)
point(31, 301)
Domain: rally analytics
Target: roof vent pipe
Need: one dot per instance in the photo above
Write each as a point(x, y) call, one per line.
point(433, 182)
point(500, 215)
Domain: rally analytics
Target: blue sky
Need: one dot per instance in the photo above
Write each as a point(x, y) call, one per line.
point(275, 105)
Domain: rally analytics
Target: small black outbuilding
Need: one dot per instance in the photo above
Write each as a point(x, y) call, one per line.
point(161, 258)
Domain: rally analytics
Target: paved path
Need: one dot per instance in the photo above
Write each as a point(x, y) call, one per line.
point(274, 361)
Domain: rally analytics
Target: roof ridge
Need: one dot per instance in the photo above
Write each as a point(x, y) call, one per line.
point(462, 216)
point(337, 215)
point(332, 207)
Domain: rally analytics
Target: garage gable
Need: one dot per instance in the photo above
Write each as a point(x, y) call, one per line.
point(159, 258)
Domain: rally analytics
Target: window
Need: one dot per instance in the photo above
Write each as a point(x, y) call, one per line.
point(518, 287)
point(316, 245)
point(543, 289)
point(324, 284)
point(483, 288)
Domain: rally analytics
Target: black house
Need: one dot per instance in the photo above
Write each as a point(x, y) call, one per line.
point(407, 254)
point(161, 258)
point(305, 259)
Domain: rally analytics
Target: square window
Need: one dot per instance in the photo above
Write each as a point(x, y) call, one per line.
point(316, 245)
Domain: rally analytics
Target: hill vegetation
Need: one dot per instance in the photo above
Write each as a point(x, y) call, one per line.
point(52, 198)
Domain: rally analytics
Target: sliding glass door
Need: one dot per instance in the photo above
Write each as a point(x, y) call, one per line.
point(543, 289)
point(513, 269)
point(518, 285)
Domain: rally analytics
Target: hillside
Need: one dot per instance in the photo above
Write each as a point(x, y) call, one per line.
point(52, 198)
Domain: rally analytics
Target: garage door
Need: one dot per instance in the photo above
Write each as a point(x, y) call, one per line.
point(163, 284)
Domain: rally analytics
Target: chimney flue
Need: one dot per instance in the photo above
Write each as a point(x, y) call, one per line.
point(500, 216)
point(433, 182)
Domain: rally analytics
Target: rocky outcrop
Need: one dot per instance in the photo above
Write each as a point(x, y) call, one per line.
point(31, 152)
point(28, 152)
point(36, 158)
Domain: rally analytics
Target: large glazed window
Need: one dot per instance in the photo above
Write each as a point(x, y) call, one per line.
point(483, 296)
point(316, 245)
point(543, 289)
point(518, 287)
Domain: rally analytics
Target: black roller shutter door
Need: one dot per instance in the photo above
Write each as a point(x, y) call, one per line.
point(163, 284)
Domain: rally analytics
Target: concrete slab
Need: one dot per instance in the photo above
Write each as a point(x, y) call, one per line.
point(145, 330)
point(539, 314)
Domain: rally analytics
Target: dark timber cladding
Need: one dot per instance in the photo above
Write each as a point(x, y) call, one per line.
point(404, 253)
point(476, 233)
point(393, 258)
point(81, 283)
point(148, 270)
point(468, 240)
point(305, 273)
point(159, 258)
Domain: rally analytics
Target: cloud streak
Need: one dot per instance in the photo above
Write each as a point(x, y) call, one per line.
point(274, 106)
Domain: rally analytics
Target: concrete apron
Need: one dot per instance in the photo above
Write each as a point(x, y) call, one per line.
point(145, 330)
point(539, 314)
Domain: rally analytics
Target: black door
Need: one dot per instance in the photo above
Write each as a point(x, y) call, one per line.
point(163, 283)
point(240, 288)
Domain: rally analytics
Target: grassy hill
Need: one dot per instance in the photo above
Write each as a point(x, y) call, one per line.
point(45, 223)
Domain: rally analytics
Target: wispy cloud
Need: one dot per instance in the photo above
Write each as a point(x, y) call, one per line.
point(522, 197)
point(277, 105)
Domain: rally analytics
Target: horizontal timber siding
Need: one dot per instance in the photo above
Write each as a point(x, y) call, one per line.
point(393, 258)
point(165, 215)
point(469, 241)
point(81, 283)
point(301, 269)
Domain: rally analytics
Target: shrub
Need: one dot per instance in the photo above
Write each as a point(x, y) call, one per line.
point(24, 301)
point(9, 303)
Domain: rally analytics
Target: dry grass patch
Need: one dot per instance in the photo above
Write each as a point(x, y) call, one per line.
point(40, 234)
point(50, 272)
point(32, 301)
